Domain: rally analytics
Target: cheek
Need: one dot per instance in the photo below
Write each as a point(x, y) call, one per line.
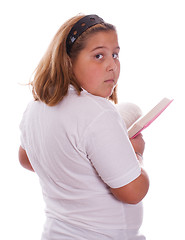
point(93, 73)
point(87, 76)
point(118, 70)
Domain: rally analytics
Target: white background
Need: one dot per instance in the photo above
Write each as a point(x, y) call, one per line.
point(152, 41)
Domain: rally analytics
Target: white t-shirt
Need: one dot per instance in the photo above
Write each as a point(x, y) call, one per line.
point(79, 149)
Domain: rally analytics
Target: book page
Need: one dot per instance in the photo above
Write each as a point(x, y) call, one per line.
point(144, 121)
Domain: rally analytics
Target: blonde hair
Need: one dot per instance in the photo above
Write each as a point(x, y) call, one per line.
point(54, 73)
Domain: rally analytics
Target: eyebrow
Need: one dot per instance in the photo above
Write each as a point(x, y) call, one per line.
point(101, 47)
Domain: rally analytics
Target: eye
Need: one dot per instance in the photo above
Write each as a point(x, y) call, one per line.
point(99, 56)
point(115, 55)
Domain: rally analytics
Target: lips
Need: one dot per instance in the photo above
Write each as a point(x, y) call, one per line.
point(109, 81)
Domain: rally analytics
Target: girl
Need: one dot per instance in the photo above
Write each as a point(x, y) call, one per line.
point(74, 139)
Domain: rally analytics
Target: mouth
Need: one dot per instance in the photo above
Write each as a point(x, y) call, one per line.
point(110, 81)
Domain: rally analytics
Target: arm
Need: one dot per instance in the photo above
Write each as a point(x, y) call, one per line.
point(135, 191)
point(23, 159)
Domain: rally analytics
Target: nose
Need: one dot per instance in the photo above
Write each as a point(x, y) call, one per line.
point(111, 65)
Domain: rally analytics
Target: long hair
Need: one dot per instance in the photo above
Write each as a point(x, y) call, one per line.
point(54, 73)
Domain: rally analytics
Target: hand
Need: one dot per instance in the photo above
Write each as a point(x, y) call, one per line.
point(138, 144)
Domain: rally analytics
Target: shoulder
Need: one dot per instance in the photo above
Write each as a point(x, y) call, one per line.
point(90, 104)
point(88, 111)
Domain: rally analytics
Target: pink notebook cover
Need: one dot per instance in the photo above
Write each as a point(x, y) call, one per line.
point(157, 115)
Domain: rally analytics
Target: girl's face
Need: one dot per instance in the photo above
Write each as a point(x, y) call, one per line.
point(97, 66)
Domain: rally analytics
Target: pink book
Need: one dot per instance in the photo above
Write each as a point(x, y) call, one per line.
point(144, 121)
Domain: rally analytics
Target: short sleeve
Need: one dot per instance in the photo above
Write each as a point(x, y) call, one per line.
point(22, 128)
point(110, 151)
